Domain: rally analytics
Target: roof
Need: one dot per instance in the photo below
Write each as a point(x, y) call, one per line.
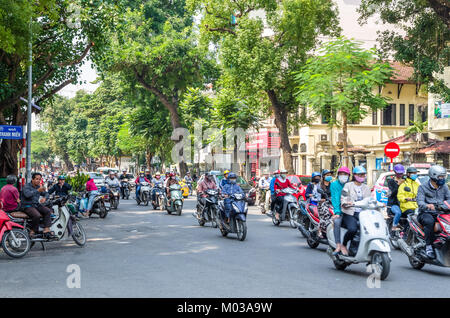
point(355, 149)
point(402, 73)
point(439, 146)
point(406, 138)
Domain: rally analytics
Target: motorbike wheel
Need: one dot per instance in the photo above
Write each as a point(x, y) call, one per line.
point(291, 219)
point(384, 263)
point(11, 248)
point(201, 222)
point(79, 234)
point(179, 209)
point(416, 264)
point(312, 242)
point(340, 265)
point(223, 231)
point(161, 204)
point(103, 212)
point(116, 203)
point(241, 229)
point(304, 222)
point(392, 235)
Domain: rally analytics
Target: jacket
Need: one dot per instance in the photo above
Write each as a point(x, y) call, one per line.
point(272, 185)
point(31, 196)
point(64, 190)
point(336, 191)
point(90, 185)
point(206, 185)
point(403, 195)
point(353, 196)
point(393, 189)
point(232, 188)
point(427, 194)
point(280, 185)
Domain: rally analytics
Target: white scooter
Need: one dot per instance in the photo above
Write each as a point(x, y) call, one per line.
point(371, 243)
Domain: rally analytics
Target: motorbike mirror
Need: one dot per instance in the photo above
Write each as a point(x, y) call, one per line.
point(407, 189)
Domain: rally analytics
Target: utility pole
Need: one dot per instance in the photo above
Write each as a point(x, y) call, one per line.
point(30, 94)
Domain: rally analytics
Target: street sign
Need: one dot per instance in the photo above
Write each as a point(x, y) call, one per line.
point(10, 132)
point(392, 150)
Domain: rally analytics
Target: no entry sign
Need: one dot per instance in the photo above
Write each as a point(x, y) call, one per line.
point(392, 150)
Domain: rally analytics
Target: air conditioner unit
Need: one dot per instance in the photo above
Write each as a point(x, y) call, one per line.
point(324, 137)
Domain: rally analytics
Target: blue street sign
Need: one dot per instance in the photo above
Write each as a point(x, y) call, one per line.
point(10, 132)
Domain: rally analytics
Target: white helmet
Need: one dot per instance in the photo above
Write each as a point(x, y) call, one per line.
point(437, 171)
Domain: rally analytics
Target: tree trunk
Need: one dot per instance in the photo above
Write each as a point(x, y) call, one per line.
point(148, 158)
point(281, 123)
point(8, 157)
point(344, 142)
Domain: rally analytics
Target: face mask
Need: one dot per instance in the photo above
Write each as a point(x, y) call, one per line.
point(440, 182)
point(413, 177)
point(283, 176)
point(277, 176)
point(360, 179)
point(316, 180)
point(328, 178)
point(343, 179)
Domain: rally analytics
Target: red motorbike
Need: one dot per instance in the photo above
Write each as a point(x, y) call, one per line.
point(413, 243)
point(309, 224)
point(15, 240)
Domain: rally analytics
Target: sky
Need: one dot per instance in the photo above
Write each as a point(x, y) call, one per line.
point(349, 24)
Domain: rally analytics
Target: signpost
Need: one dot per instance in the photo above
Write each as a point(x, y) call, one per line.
point(10, 132)
point(392, 150)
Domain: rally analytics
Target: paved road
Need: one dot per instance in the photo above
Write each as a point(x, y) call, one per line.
point(138, 252)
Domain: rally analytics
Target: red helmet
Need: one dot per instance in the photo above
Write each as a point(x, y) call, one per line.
point(171, 175)
point(276, 172)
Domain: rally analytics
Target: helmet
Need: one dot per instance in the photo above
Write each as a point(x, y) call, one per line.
point(399, 169)
point(124, 170)
point(276, 172)
point(147, 170)
point(359, 169)
point(411, 170)
point(436, 171)
point(232, 175)
point(344, 170)
point(157, 174)
point(226, 172)
point(61, 178)
point(283, 171)
point(325, 171)
point(171, 174)
point(315, 174)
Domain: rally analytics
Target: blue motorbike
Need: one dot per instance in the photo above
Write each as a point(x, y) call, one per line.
point(238, 217)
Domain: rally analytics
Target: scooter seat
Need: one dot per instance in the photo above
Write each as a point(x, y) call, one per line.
point(314, 209)
point(19, 215)
point(416, 221)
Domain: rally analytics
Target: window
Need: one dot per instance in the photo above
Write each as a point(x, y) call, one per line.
point(402, 114)
point(411, 114)
point(389, 115)
point(325, 118)
point(424, 114)
point(374, 117)
point(303, 164)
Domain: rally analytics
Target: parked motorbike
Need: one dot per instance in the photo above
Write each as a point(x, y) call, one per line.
point(160, 196)
point(309, 226)
point(175, 203)
point(99, 206)
point(289, 210)
point(144, 193)
point(370, 245)
point(413, 245)
point(63, 222)
point(238, 217)
point(125, 184)
point(14, 238)
point(208, 213)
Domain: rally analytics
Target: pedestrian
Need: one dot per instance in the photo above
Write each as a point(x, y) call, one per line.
point(9, 194)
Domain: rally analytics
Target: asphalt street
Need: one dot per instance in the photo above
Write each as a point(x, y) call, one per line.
point(139, 252)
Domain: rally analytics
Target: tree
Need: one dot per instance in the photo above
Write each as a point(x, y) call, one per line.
point(62, 33)
point(40, 149)
point(258, 55)
point(160, 53)
point(425, 45)
point(341, 79)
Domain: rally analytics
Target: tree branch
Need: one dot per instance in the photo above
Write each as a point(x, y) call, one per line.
point(55, 90)
point(221, 30)
point(78, 60)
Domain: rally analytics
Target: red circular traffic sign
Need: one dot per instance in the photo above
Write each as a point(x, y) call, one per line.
point(392, 150)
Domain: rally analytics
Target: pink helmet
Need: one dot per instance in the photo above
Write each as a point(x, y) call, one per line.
point(344, 169)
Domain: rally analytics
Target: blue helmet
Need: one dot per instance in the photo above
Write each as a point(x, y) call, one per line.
point(315, 174)
point(232, 175)
point(325, 171)
point(359, 169)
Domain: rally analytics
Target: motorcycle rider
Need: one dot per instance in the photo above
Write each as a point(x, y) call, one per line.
point(206, 184)
point(336, 191)
point(325, 202)
point(112, 181)
point(393, 202)
point(356, 191)
point(230, 188)
point(225, 179)
point(281, 183)
point(157, 180)
point(171, 180)
point(264, 185)
point(407, 199)
point(148, 175)
point(430, 194)
point(141, 178)
point(311, 189)
point(122, 177)
point(273, 196)
point(61, 188)
point(188, 180)
point(33, 195)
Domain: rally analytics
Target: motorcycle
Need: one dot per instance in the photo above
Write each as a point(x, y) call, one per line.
point(238, 217)
point(125, 189)
point(371, 243)
point(394, 236)
point(63, 222)
point(99, 206)
point(114, 197)
point(309, 226)
point(289, 211)
point(160, 196)
point(14, 237)
point(184, 189)
point(144, 193)
point(209, 212)
point(413, 245)
point(175, 203)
